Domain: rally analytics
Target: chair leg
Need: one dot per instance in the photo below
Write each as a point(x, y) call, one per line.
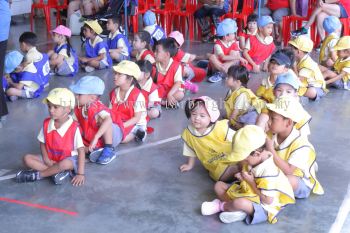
point(31, 19)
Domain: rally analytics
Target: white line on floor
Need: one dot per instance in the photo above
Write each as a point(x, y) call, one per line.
point(119, 152)
point(3, 171)
point(343, 212)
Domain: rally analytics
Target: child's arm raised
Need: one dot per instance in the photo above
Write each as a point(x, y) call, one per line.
point(249, 178)
point(79, 179)
point(189, 165)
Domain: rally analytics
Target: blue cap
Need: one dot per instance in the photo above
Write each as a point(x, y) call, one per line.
point(149, 18)
point(288, 78)
point(331, 23)
point(12, 61)
point(227, 26)
point(88, 85)
point(264, 20)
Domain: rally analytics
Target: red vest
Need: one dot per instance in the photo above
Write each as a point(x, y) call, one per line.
point(88, 125)
point(124, 111)
point(146, 94)
point(58, 148)
point(165, 82)
point(145, 53)
point(259, 52)
point(233, 47)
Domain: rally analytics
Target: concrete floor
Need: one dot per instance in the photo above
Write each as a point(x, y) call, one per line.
point(143, 190)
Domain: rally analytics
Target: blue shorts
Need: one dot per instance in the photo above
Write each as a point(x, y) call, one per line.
point(343, 13)
point(319, 93)
point(339, 84)
point(259, 216)
point(117, 136)
point(302, 191)
point(248, 118)
point(74, 160)
point(64, 69)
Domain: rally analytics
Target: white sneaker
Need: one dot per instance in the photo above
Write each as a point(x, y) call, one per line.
point(229, 217)
point(89, 69)
point(210, 207)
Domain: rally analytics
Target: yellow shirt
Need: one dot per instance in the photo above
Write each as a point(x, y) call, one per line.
point(327, 46)
point(70, 59)
point(265, 90)
point(33, 55)
point(343, 65)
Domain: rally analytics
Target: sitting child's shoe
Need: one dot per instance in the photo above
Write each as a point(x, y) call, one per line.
point(60, 177)
point(93, 156)
point(89, 69)
point(26, 176)
point(140, 135)
point(217, 77)
point(193, 88)
point(107, 156)
point(299, 32)
point(229, 217)
point(210, 207)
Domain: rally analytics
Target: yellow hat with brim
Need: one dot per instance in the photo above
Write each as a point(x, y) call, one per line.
point(287, 106)
point(343, 43)
point(61, 96)
point(246, 140)
point(94, 26)
point(129, 68)
point(303, 43)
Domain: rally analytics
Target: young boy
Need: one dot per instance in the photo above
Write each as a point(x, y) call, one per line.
point(118, 45)
point(22, 77)
point(263, 190)
point(167, 74)
point(157, 32)
point(328, 56)
point(292, 152)
point(62, 148)
point(339, 78)
point(259, 48)
point(96, 50)
point(27, 44)
point(308, 71)
point(95, 120)
point(226, 50)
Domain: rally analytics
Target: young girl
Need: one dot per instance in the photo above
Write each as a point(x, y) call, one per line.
point(141, 45)
point(248, 31)
point(63, 59)
point(127, 103)
point(96, 50)
point(61, 144)
point(241, 104)
point(208, 139)
point(149, 90)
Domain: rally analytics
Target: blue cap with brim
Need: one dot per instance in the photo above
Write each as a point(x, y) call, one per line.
point(149, 18)
point(264, 20)
point(12, 61)
point(288, 78)
point(88, 85)
point(227, 26)
point(331, 24)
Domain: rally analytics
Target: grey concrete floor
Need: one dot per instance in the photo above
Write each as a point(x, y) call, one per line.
point(143, 190)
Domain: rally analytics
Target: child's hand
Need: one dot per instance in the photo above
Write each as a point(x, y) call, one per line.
point(83, 59)
point(93, 143)
point(256, 68)
point(185, 167)
point(78, 180)
point(264, 68)
point(270, 145)
point(247, 176)
point(243, 61)
point(171, 100)
point(238, 176)
point(48, 162)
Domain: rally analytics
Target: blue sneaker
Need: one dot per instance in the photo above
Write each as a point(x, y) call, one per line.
point(93, 157)
point(217, 77)
point(107, 156)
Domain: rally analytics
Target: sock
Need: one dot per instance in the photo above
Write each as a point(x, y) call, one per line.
point(221, 205)
point(37, 175)
point(108, 145)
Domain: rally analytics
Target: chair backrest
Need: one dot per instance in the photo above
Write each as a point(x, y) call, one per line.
point(248, 6)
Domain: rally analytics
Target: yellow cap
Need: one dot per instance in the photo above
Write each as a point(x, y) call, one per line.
point(343, 43)
point(95, 26)
point(288, 107)
point(246, 140)
point(303, 43)
point(129, 68)
point(61, 96)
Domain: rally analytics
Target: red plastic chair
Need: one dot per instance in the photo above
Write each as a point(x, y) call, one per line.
point(163, 14)
point(241, 17)
point(179, 17)
point(51, 4)
point(140, 10)
point(59, 8)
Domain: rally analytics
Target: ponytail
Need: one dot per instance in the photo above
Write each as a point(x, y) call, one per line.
point(69, 46)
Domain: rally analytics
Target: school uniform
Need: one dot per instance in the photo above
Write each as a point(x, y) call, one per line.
point(342, 65)
point(157, 33)
point(213, 148)
point(223, 48)
point(259, 49)
point(41, 62)
point(146, 55)
point(248, 104)
point(70, 65)
point(118, 40)
point(87, 118)
point(310, 70)
point(165, 78)
point(183, 58)
point(271, 181)
point(150, 92)
point(62, 143)
point(125, 109)
point(299, 152)
point(95, 48)
point(265, 90)
point(246, 34)
point(327, 47)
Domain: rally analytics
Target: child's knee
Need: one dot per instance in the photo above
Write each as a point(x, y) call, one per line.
point(65, 164)
point(220, 188)
point(179, 95)
point(153, 113)
point(27, 159)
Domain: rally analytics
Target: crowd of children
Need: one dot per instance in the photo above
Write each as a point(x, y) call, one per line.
point(261, 144)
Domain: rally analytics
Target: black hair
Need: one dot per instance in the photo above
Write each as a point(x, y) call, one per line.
point(290, 54)
point(145, 37)
point(251, 18)
point(145, 66)
point(239, 72)
point(115, 19)
point(28, 38)
point(190, 105)
point(133, 81)
point(168, 46)
point(88, 27)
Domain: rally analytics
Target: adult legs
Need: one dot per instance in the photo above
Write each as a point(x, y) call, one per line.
point(3, 106)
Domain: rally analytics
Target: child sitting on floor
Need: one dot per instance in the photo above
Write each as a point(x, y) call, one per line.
point(61, 145)
point(63, 59)
point(263, 190)
point(226, 50)
point(100, 135)
point(150, 25)
point(250, 30)
point(241, 104)
point(118, 45)
point(141, 45)
point(204, 133)
point(260, 47)
point(96, 50)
